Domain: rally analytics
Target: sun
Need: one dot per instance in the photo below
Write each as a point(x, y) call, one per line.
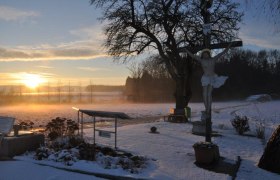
point(32, 80)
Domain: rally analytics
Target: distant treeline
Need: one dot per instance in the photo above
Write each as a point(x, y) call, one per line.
point(149, 82)
point(249, 73)
point(60, 94)
point(149, 89)
point(103, 88)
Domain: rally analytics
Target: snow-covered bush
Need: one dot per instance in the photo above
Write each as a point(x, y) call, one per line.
point(62, 149)
point(132, 164)
point(106, 157)
point(87, 151)
point(42, 153)
point(65, 142)
point(241, 124)
point(68, 157)
point(70, 149)
point(260, 130)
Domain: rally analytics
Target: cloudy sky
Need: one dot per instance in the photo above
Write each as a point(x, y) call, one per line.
point(61, 40)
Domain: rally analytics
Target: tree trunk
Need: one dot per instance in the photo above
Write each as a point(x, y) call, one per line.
point(179, 94)
point(183, 83)
point(183, 92)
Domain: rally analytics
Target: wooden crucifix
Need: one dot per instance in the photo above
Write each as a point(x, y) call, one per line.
point(209, 79)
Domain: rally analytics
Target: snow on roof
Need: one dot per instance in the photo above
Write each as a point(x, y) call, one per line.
point(106, 114)
point(259, 97)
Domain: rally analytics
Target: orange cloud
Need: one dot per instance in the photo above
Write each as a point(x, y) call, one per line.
point(80, 50)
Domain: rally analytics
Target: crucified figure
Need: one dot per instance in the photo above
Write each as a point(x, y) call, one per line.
point(209, 79)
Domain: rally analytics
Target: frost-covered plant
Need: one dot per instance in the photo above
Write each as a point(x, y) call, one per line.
point(108, 162)
point(66, 142)
point(107, 157)
point(55, 128)
point(260, 130)
point(58, 128)
point(136, 163)
point(71, 127)
point(241, 124)
point(25, 125)
point(42, 153)
point(87, 151)
point(203, 144)
point(132, 164)
point(68, 157)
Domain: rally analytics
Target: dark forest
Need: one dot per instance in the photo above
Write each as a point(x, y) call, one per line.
point(249, 73)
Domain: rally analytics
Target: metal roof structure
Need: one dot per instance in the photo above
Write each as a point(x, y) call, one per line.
point(106, 114)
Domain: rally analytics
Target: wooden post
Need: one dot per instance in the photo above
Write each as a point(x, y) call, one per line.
point(208, 130)
point(94, 131)
point(115, 133)
point(79, 124)
point(82, 125)
point(207, 40)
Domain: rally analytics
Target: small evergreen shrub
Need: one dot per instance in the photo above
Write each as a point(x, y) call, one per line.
point(241, 124)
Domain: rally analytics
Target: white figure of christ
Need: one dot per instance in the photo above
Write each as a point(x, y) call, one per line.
point(209, 79)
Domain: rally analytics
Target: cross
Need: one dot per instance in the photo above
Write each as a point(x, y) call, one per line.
point(205, 5)
point(214, 46)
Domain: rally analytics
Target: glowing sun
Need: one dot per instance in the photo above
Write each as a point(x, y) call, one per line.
point(32, 80)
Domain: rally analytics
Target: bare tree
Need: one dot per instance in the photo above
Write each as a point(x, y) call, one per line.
point(155, 68)
point(80, 91)
point(272, 11)
point(152, 65)
point(69, 92)
point(59, 91)
point(136, 70)
point(269, 8)
point(91, 91)
point(48, 89)
point(166, 27)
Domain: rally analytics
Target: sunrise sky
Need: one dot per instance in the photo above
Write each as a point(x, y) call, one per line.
point(61, 40)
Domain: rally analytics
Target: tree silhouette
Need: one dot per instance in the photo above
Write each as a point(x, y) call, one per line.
point(165, 27)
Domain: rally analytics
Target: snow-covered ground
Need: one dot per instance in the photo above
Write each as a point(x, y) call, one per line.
point(20, 170)
point(170, 151)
